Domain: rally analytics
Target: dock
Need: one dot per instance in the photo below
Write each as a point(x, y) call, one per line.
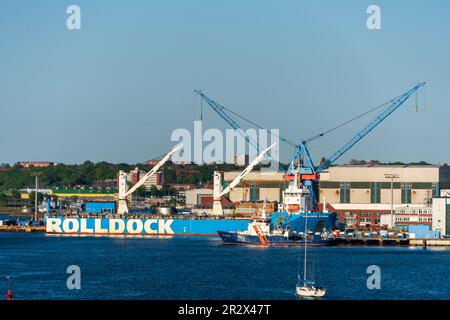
point(19, 229)
point(373, 241)
point(430, 242)
point(393, 242)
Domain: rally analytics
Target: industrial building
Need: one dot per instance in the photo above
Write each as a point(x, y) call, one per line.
point(362, 193)
point(194, 197)
point(441, 216)
point(257, 186)
point(405, 217)
point(156, 180)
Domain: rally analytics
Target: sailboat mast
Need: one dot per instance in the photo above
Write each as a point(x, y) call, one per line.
point(305, 235)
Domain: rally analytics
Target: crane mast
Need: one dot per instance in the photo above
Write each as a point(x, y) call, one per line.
point(219, 193)
point(221, 112)
point(124, 194)
point(303, 165)
point(302, 173)
point(386, 113)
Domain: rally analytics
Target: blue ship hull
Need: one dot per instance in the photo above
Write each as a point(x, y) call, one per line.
point(317, 221)
point(145, 227)
point(245, 239)
point(180, 226)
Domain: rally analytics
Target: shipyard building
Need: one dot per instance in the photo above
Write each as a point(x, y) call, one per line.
point(361, 194)
point(257, 186)
point(441, 216)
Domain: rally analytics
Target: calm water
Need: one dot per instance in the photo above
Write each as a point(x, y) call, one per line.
point(204, 268)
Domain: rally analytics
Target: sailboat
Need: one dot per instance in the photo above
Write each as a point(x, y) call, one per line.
point(307, 287)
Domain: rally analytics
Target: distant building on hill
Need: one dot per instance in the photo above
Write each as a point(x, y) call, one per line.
point(105, 184)
point(36, 164)
point(157, 180)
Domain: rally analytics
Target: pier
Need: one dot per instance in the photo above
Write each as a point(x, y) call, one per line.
point(373, 241)
point(430, 242)
point(39, 229)
point(393, 242)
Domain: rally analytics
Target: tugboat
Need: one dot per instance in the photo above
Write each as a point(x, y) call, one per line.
point(262, 232)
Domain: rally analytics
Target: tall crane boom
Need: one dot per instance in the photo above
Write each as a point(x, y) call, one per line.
point(122, 207)
point(219, 193)
point(247, 170)
point(221, 112)
point(394, 106)
point(153, 170)
point(302, 165)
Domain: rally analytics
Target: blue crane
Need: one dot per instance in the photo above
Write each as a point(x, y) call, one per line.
point(303, 164)
point(221, 111)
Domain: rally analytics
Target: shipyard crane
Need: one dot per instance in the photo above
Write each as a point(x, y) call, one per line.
point(302, 167)
point(218, 193)
point(124, 194)
point(222, 112)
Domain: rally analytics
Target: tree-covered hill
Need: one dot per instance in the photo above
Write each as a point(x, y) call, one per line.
point(85, 174)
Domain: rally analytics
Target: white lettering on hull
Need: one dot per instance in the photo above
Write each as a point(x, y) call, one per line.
point(98, 227)
point(117, 226)
point(53, 225)
point(134, 226)
point(84, 228)
point(148, 226)
point(114, 226)
point(70, 225)
point(164, 226)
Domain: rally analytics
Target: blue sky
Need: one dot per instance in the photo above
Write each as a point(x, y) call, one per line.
point(116, 89)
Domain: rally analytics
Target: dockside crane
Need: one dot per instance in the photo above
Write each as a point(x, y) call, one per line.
point(302, 172)
point(122, 207)
point(302, 168)
point(218, 193)
point(222, 112)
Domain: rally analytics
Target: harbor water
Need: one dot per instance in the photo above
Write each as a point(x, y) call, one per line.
point(205, 268)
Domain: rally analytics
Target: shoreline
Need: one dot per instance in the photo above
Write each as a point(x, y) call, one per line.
point(342, 243)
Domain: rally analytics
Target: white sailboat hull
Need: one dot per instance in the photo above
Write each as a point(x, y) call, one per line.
point(305, 291)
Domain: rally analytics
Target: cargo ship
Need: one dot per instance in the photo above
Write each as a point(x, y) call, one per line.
point(109, 221)
point(145, 226)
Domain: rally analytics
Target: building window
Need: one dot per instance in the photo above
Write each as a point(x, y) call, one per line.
point(406, 192)
point(375, 192)
point(254, 192)
point(435, 190)
point(345, 192)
